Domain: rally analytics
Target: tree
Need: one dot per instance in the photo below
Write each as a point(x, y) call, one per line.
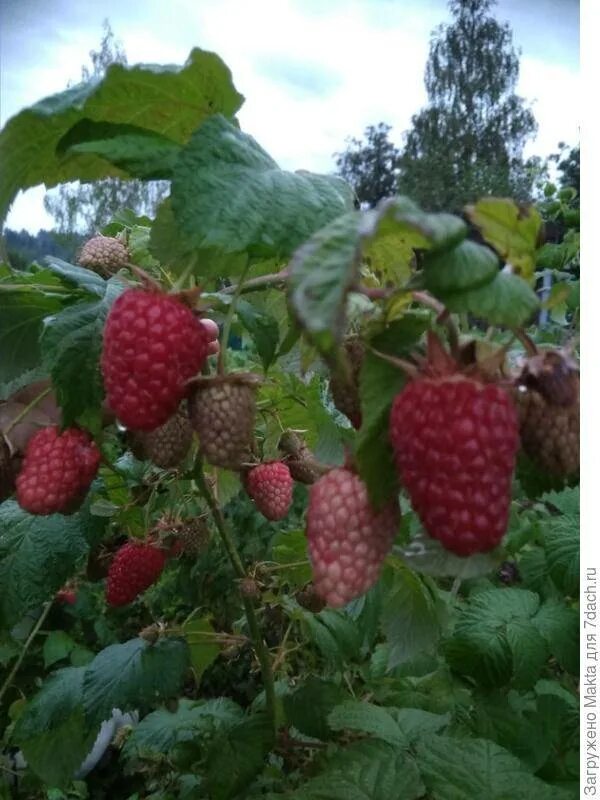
point(88, 207)
point(468, 142)
point(370, 166)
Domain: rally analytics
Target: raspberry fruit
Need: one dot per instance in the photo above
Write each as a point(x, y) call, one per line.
point(57, 470)
point(348, 539)
point(153, 344)
point(135, 567)
point(547, 398)
point(344, 389)
point(66, 596)
point(104, 254)
point(455, 441)
point(222, 411)
point(166, 446)
point(270, 485)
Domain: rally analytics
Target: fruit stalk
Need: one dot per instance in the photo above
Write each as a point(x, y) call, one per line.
point(260, 646)
point(26, 646)
point(23, 413)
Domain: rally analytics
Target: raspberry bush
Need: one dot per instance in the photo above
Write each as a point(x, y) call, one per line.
point(338, 560)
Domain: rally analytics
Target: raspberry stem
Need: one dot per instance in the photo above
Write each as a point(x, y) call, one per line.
point(22, 414)
point(26, 646)
point(260, 646)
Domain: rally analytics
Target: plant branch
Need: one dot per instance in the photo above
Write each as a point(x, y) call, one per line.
point(22, 414)
point(26, 646)
point(227, 324)
point(260, 282)
point(260, 647)
point(444, 317)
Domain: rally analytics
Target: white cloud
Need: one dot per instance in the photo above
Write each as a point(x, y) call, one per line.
point(363, 63)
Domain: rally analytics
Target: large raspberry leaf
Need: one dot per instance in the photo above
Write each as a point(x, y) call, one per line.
point(133, 675)
point(467, 266)
point(37, 555)
point(429, 556)
point(397, 726)
point(71, 347)
point(52, 730)
point(308, 707)
point(228, 193)
point(506, 300)
point(163, 729)
point(237, 754)
point(369, 770)
point(470, 769)
point(167, 100)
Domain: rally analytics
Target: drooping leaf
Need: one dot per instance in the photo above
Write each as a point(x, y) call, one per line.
point(133, 675)
point(506, 300)
point(228, 193)
point(37, 555)
point(430, 557)
point(58, 645)
point(411, 616)
point(263, 329)
point(307, 708)
point(52, 730)
point(71, 347)
point(467, 266)
point(379, 383)
point(511, 229)
point(167, 100)
point(202, 651)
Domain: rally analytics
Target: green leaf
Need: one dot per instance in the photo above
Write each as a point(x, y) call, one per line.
point(511, 229)
point(379, 383)
point(228, 193)
point(133, 675)
point(236, 755)
point(57, 646)
point(22, 314)
point(400, 727)
point(52, 731)
point(263, 329)
point(561, 543)
point(371, 770)
point(202, 651)
point(37, 555)
point(307, 707)
point(168, 100)
point(428, 556)
point(472, 769)
point(78, 277)
point(161, 730)
point(507, 300)
point(322, 273)
point(289, 547)
point(71, 348)
point(559, 626)
point(488, 642)
point(467, 266)
point(410, 617)
point(139, 152)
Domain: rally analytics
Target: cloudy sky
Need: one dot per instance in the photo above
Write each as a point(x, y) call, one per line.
point(313, 71)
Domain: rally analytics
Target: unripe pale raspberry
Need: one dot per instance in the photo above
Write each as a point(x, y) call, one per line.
point(103, 254)
point(57, 470)
point(153, 344)
point(348, 539)
point(271, 486)
point(455, 440)
point(135, 567)
point(222, 410)
point(167, 445)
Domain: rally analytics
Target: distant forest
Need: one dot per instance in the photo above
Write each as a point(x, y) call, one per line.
point(22, 248)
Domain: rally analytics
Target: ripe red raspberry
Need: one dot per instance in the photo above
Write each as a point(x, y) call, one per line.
point(135, 567)
point(347, 539)
point(455, 440)
point(153, 344)
point(66, 596)
point(270, 486)
point(57, 470)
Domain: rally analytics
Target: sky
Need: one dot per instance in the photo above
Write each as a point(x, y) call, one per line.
point(313, 72)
